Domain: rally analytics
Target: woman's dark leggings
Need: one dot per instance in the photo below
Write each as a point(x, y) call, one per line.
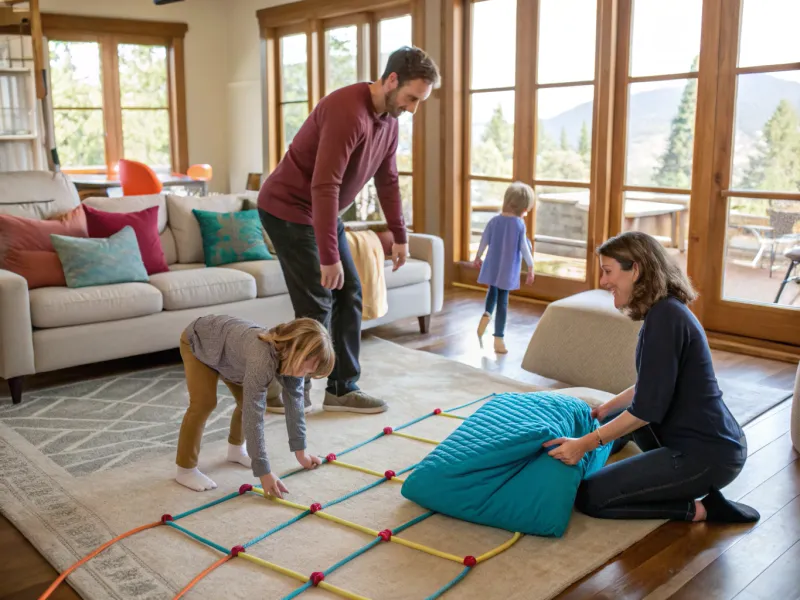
point(659, 483)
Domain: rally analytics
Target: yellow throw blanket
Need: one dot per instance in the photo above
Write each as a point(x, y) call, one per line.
point(369, 257)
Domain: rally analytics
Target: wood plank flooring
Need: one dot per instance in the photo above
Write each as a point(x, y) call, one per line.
point(679, 560)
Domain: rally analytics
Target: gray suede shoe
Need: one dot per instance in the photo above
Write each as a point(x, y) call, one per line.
point(357, 402)
point(275, 404)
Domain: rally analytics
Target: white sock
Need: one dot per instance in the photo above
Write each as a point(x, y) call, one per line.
point(194, 480)
point(238, 454)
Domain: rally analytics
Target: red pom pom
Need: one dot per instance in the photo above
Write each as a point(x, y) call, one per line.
point(437, 411)
point(165, 518)
point(316, 577)
point(386, 535)
point(387, 431)
point(245, 487)
point(389, 474)
point(470, 561)
point(331, 457)
point(315, 507)
point(236, 550)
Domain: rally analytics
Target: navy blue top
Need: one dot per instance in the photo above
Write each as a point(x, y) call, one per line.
point(676, 389)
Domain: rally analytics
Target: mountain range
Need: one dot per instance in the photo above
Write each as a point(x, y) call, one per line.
point(651, 113)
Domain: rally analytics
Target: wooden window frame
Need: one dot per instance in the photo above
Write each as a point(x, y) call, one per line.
point(108, 33)
point(456, 154)
point(314, 17)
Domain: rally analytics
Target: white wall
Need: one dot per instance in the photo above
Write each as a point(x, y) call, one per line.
point(206, 67)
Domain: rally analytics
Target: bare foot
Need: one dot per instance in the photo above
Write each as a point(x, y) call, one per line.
point(699, 512)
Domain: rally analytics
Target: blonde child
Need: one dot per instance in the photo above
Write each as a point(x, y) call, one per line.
point(508, 244)
point(248, 357)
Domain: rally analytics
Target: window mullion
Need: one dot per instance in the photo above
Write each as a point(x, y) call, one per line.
point(112, 111)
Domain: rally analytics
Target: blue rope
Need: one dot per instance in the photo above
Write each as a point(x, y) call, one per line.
point(449, 410)
point(450, 585)
point(356, 493)
point(412, 522)
point(407, 469)
point(362, 444)
point(205, 506)
point(276, 529)
point(298, 591)
point(415, 421)
point(199, 538)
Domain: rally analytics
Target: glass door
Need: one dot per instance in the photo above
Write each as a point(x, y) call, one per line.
point(755, 214)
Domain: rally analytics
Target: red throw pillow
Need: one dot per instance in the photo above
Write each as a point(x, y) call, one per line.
point(26, 249)
point(102, 224)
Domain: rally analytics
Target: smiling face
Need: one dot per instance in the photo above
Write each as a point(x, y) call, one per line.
point(407, 97)
point(617, 280)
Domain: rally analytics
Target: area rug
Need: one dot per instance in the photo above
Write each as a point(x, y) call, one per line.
point(70, 488)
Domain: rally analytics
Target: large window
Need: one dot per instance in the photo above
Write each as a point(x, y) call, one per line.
point(698, 146)
point(317, 56)
point(116, 95)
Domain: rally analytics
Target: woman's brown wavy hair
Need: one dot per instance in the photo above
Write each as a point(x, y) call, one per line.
point(659, 276)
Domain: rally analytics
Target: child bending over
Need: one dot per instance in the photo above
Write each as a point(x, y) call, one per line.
point(508, 244)
point(248, 357)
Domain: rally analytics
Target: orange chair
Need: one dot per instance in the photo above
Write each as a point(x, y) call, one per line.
point(138, 179)
point(199, 172)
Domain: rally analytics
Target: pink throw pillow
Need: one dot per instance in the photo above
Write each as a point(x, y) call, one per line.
point(102, 224)
point(26, 249)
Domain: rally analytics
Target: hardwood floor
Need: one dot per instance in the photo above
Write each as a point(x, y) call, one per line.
point(679, 560)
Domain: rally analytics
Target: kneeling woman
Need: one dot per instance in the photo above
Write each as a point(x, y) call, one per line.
point(691, 444)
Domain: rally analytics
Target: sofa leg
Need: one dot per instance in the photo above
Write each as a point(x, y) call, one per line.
point(424, 324)
point(15, 386)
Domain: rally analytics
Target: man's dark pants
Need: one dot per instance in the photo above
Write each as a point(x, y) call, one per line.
point(338, 310)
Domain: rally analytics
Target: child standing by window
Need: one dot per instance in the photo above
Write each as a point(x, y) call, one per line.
point(508, 244)
point(248, 357)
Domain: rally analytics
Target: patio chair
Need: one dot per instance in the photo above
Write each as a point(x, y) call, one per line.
point(794, 259)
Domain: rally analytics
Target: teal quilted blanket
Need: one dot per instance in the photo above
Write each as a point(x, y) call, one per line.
point(494, 471)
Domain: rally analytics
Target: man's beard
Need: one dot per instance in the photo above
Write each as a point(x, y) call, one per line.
point(391, 104)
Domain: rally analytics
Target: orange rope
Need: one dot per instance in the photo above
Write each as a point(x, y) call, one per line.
point(88, 557)
point(194, 581)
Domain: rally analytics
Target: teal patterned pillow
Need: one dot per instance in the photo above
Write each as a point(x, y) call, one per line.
point(100, 261)
point(231, 237)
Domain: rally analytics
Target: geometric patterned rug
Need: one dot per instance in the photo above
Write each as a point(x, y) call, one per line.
point(108, 422)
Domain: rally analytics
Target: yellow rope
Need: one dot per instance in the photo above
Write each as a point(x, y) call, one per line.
point(364, 470)
point(499, 549)
point(341, 521)
point(300, 577)
point(451, 416)
point(274, 567)
point(279, 500)
point(414, 437)
point(343, 593)
point(432, 551)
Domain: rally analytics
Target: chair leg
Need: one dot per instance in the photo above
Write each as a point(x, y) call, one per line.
point(424, 324)
point(786, 280)
point(15, 387)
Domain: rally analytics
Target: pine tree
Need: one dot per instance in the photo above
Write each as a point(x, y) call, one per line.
point(564, 140)
point(675, 165)
point(776, 163)
point(584, 146)
point(500, 133)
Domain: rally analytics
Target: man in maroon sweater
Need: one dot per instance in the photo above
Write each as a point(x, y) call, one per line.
point(349, 138)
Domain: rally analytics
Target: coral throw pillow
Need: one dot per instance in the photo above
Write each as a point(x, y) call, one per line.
point(26, 248)
point(102, 224)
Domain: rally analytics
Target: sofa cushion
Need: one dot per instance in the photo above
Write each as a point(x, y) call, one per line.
point(89, 261)
point(37, 194)
point(27, 250)
point(131, 204)
point(184, 225)
point(414, 271)
point(168, 244)
point(231, 237)
point(193, 288)
point(187, 266)
point(103, 224)
point(267, 273)
point(62, 306)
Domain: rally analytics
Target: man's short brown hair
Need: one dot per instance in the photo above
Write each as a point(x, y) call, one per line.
point(410, 63)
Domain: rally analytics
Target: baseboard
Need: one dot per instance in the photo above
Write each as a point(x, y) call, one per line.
point(754, 347)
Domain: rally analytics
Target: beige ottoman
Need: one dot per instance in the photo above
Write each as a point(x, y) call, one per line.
point(584, 341)
point(796, 412)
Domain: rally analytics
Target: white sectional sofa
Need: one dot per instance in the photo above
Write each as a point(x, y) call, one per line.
point(51, 328)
